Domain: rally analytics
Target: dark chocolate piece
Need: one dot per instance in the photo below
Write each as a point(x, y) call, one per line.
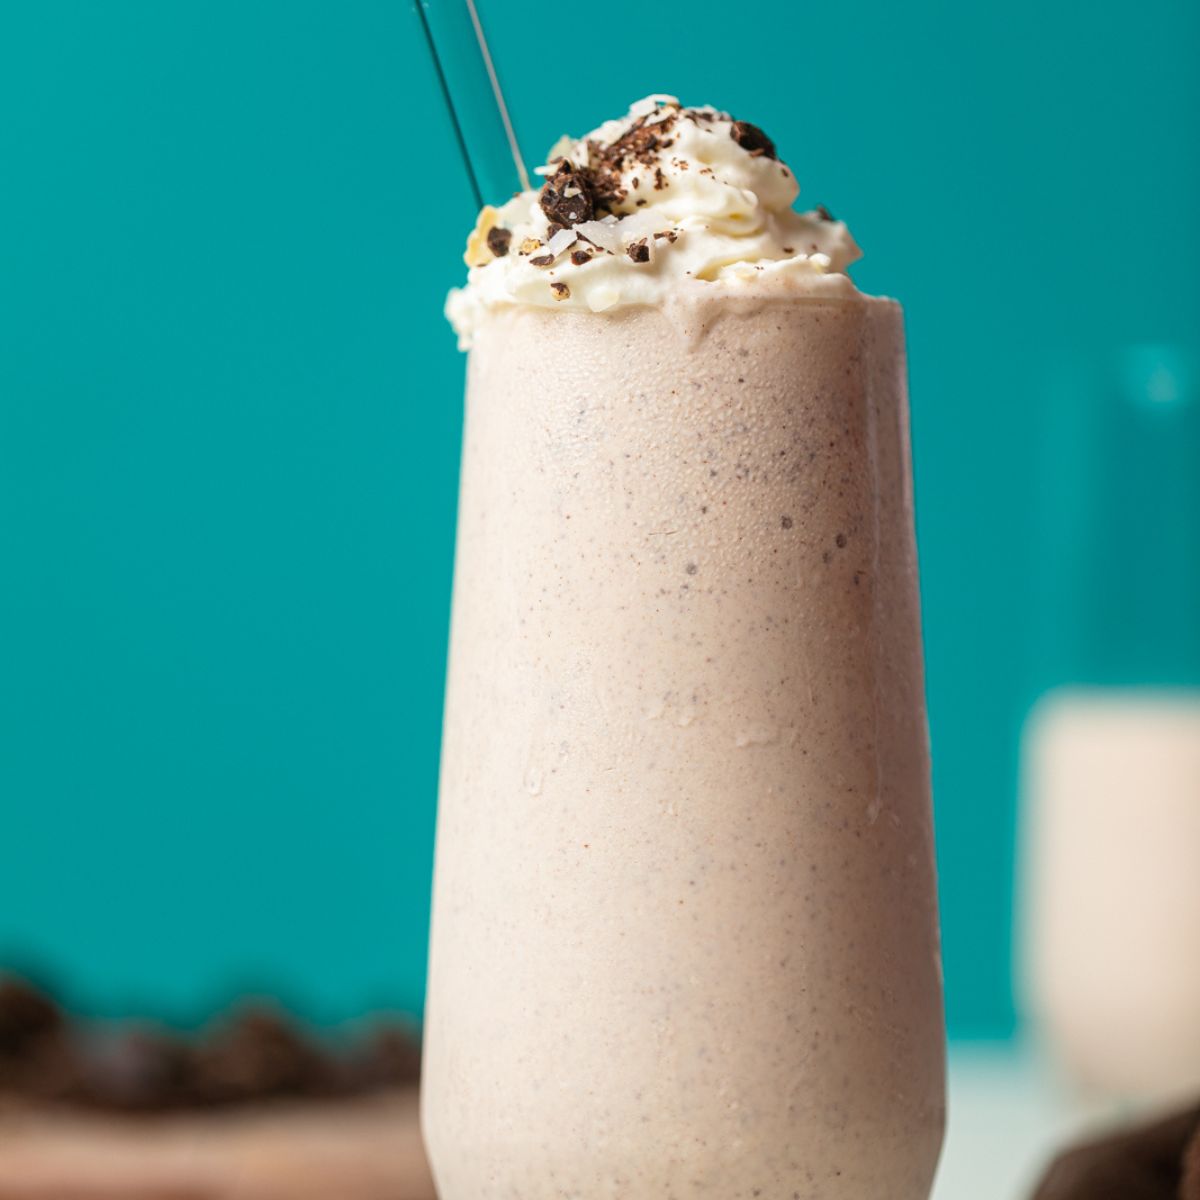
point(566, 197)
point(751, 138)
point(499, 239)
point(638, 251)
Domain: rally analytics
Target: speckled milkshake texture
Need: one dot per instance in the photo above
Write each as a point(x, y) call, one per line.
point(685, 930)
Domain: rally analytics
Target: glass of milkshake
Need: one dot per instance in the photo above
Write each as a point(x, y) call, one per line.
point(685, 929)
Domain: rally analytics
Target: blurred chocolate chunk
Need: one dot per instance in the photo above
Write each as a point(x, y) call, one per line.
point(136, 1070)
point(26, 1017)
point(1144, 1163)
point(254, 1055)
point(260, 1053)
point(388, 1057)
point(1190, 1188)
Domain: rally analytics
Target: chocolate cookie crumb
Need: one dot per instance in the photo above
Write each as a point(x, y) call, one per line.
point(579, 257)
point(499, 240)
point(542, 260)
point(751, 138)
point(638, 251)
point(824, 213)
point(660, 180)
point(566, 197)
point(561, 291)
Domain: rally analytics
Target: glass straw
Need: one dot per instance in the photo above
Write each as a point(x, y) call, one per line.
point(474, 99)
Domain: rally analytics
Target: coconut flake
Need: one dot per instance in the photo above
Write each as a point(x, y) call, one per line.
point(564, 239)
point(600, 233)
point(643, 108)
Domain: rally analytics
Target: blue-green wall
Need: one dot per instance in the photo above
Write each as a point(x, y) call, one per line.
point(229, 414)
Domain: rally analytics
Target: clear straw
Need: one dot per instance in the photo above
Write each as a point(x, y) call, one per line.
point(474, 98)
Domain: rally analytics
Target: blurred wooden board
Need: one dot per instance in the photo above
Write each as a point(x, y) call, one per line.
point(360, 1149)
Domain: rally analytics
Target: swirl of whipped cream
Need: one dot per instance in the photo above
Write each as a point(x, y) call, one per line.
point(664, 199)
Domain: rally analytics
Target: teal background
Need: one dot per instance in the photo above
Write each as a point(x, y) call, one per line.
point(230, 409)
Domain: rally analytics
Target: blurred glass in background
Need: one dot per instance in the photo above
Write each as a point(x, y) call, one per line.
point(1111, 902)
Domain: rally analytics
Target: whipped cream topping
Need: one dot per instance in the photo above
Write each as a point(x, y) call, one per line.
point(664, 199)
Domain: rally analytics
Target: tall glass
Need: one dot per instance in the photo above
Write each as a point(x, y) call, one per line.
point(685, 931)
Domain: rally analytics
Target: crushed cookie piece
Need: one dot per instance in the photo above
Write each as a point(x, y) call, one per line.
point(561, 291)
point(824, 213)
point(529, 245)
point(660, 180)
point(579, 257)
point(638, 251)
point(498, 240)
point(751, 138)
point(671, 235)
point(542, 260)
point(640, 204)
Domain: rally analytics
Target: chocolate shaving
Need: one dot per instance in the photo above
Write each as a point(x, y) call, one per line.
point(638, 251)
point(499, 240)
point(751, 138)
point(824, 213)
point(567, 197)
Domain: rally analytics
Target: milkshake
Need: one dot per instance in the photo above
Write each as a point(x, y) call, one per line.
point(685, 933)
point(1112, 889)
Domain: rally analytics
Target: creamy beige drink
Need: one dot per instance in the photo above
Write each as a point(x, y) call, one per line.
point(1112, 890)
point(685, 936)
